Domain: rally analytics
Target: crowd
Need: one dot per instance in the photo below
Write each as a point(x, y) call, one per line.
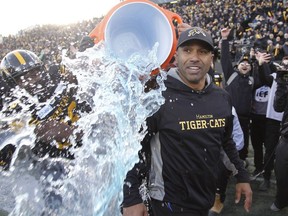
point(260, 24)
point(248, 38)
point(48, 41)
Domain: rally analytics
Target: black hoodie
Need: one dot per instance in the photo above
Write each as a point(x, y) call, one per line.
point(181, 150)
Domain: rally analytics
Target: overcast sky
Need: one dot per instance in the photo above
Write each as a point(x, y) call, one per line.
point(20, 14)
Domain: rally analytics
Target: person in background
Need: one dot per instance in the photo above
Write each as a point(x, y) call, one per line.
point(258, 117)
point(181, 149)
point(226, 168)
point(86, 42)
point(239, 84)
point(53, 94)
point(267, 75)
point(281, 157)
point(46, 101)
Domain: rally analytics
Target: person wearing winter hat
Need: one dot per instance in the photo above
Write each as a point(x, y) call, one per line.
point(244, 65)
point(240, 85)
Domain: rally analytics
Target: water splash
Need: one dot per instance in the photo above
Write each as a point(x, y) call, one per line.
point(92, 184)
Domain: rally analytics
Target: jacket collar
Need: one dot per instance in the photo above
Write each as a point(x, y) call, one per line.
point(173, 72)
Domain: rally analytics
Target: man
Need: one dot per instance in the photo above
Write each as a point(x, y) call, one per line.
point(240, 85)
point(181, 149)
point(45, 103)
point(47, 96)
point(281, 156)
point(267, 75)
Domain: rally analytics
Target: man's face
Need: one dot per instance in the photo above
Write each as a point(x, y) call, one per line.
point(244, 67)
point(194, 60)
point(271, 36)
point(285, 62)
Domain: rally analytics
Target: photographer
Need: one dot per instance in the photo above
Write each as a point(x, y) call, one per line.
point(281, 157)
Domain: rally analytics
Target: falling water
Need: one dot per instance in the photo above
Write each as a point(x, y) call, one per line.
point(92, 184)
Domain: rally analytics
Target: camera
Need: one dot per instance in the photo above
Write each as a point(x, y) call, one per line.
point(282, 73)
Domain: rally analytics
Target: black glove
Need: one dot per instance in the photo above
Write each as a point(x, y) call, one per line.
point(86, 42)
point(6, 154)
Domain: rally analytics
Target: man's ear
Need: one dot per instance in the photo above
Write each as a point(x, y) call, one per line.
point(212, 64)
point(176, 58)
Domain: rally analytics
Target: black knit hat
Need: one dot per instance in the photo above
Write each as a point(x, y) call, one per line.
point(195, 33)
point(244, 58)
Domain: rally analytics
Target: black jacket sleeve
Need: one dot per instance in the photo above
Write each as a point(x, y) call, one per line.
point(280, 105)
point(226, 61)
point(264, 75)
point(281, 96)
point(133, 181)
point(231, 151)
point(138, 175)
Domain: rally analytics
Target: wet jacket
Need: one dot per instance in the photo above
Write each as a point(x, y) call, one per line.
point(181, 150)
point(62, 107)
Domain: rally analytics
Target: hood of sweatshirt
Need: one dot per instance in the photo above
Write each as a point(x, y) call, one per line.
point(178, 84)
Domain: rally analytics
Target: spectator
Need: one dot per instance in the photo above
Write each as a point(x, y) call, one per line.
point(236, 80)
point(48, 103)
point(281, 158)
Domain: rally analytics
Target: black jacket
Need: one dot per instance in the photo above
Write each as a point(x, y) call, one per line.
point(241, 88)
point(181, 150)
point(63, 106)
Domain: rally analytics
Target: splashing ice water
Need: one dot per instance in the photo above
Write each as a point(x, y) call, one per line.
point(92, 184)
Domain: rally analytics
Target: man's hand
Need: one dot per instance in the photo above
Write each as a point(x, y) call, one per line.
point(183, 27)
point(263, 58)
point(136, 210)
point(225, 33)
point(86, 42)
point(244, 188)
